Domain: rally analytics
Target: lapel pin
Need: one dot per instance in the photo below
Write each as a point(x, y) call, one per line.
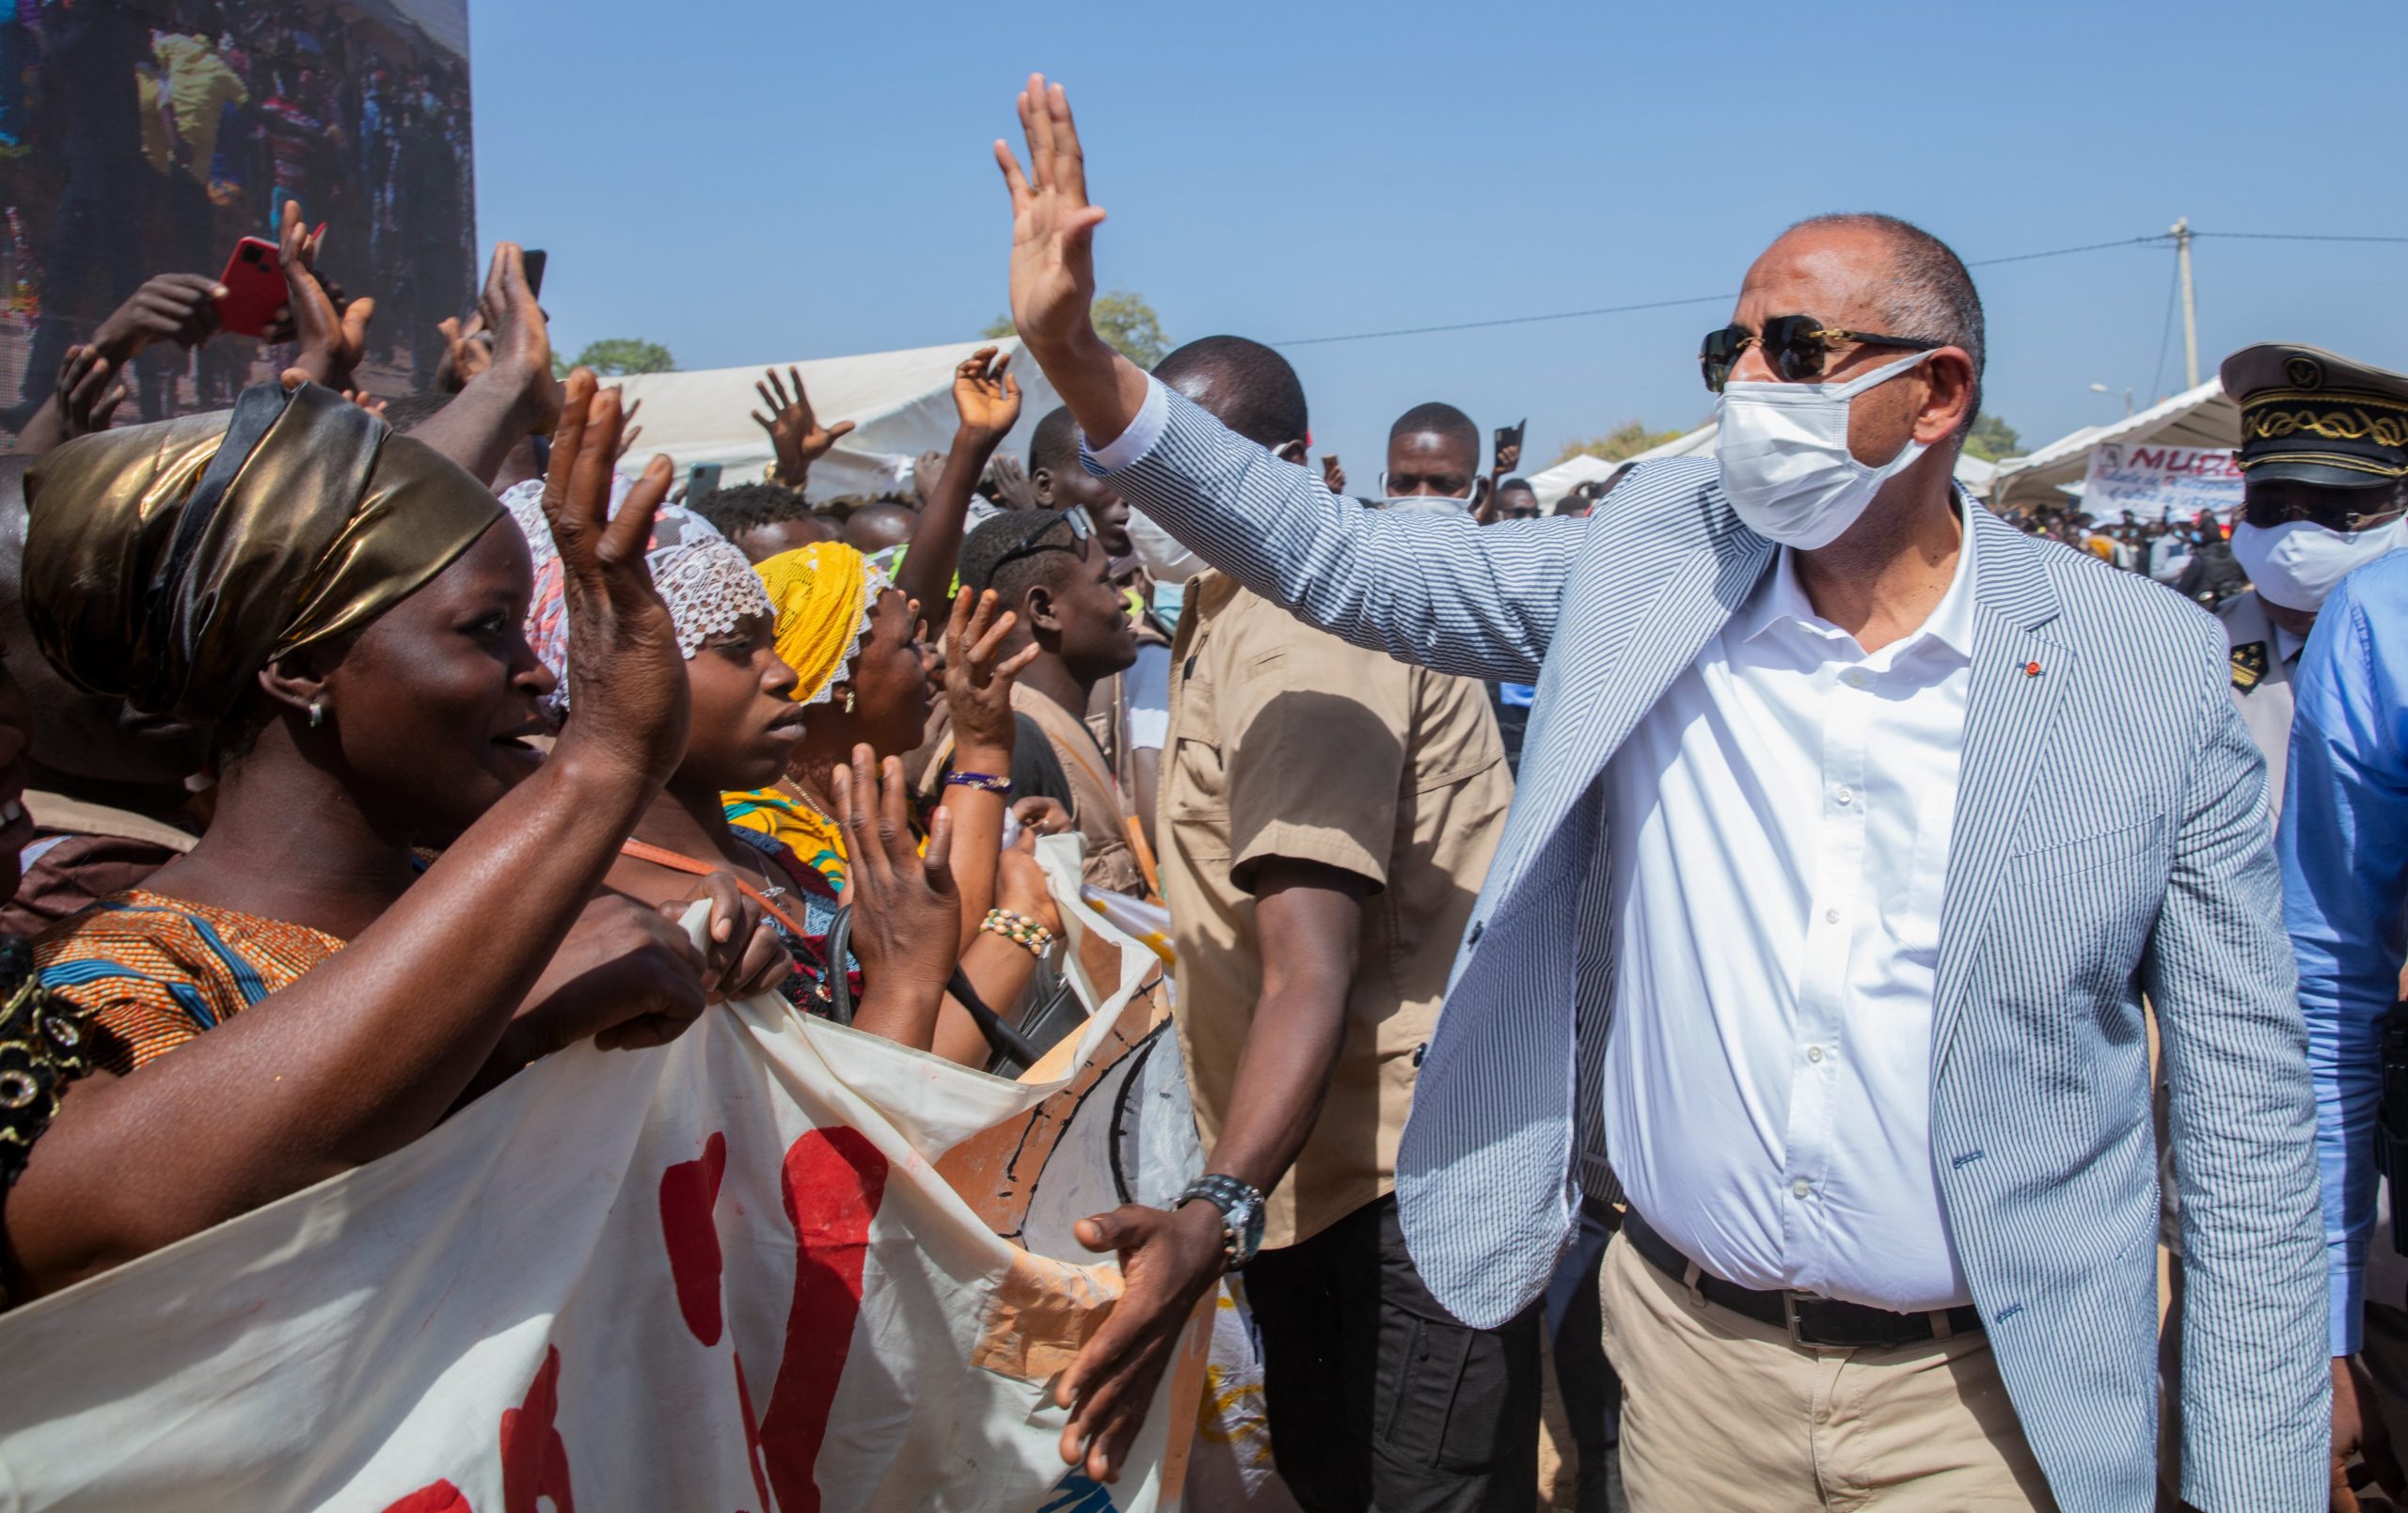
point(2031, 669)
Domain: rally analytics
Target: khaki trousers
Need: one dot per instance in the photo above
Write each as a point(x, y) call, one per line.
point(1720, 1411)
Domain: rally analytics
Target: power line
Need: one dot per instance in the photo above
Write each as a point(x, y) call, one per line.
point(1510, 320)
point(2157, 240)
point(2295, 236)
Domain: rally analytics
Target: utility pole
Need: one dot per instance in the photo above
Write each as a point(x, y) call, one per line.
point(2190, 302)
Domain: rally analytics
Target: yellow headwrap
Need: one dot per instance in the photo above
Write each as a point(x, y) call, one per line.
point(168, 563)
point(825, 594)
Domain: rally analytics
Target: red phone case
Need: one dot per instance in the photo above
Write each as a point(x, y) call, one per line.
point(254, 280)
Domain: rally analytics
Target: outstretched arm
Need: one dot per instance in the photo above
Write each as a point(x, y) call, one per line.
point(513, 394)
point(988, 399)
point(1440, 592)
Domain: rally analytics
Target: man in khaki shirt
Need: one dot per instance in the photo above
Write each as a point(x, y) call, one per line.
point(1327, 815)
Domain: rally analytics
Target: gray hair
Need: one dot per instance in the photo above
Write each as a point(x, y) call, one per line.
point(1931, 296)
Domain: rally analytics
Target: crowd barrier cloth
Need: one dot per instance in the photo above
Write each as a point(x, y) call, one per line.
point(760, 1268)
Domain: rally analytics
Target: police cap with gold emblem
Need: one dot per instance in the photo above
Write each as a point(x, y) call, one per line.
point(2314, 417)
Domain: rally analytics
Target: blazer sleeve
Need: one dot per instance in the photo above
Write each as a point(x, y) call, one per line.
point(2255, 1387)
point(1445, 593)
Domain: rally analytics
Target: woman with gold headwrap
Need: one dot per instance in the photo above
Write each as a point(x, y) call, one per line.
point(337, 602)
point(849, 636)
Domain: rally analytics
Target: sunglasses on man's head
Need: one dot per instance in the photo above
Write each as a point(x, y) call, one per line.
point(1074, 522)
point(1796, 345)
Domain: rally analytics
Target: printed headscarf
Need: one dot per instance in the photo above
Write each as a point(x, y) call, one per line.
point(825, 594)
point(166, 564)
point(706, 582)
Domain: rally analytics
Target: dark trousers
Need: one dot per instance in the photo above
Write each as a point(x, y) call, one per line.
point(1378, 1398)
point(1575, 1332)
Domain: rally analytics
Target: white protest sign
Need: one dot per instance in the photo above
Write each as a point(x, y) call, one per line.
point(2153, 481)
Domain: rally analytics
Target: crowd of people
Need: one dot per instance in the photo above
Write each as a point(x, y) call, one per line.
point(1815, 1081)
point(169, 128)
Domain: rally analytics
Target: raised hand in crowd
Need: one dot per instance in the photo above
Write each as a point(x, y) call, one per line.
point(979, 680)
point(925, 469)
point(468, 351)
point(907, 913)
point(1333, 477)
point(332, 336)
point(985, 397)
point(1053, 272)
point(512, 395)
point(1006, 483)
point(795, 436)
point(1508, 457)
point(372, 403)
point(178, 307)
point(82, 402)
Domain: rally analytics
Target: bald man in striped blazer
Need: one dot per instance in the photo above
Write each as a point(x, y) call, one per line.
point(1837, 877)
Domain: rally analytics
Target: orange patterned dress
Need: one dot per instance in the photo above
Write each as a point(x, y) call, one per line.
point(157, 971)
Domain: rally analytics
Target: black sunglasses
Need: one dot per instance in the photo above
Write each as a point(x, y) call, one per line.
point(2265, 513)
point(1796, 345)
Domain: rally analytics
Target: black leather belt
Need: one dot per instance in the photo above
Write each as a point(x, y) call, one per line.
point(1807, 1319)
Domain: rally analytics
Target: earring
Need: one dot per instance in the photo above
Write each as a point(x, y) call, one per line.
point(317, 713)
point(849, 699)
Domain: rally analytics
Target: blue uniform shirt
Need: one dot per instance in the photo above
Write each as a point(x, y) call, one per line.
point(2344, 847)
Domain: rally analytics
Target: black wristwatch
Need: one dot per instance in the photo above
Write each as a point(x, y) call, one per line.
point(1241, 1208)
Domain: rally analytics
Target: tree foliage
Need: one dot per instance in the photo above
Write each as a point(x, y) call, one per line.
point(1123, 318)
point(1991, 438)
point(617, 356)
point(1629, 439)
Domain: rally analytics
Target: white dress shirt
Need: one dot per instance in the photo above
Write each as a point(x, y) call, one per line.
point(1779, 823)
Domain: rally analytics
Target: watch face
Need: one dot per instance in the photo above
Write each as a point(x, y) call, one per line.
point(1248, 1223)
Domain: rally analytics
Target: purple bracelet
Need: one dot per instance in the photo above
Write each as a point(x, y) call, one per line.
point(986, 782)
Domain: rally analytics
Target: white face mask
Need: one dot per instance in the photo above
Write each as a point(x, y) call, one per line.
point(1425, 504)
point(2297, 564)
point(1786, 469)
point(1164, 559)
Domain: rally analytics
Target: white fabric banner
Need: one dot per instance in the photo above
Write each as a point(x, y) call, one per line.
point(2153, 481)
point(722, 1274)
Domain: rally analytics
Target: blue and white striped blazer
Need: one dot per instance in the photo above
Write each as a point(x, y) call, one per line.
point(2110, 840)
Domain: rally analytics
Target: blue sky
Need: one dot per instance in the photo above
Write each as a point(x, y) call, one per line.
point(754, 180)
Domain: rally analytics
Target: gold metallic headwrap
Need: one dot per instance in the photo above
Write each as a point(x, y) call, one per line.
point(152, 575)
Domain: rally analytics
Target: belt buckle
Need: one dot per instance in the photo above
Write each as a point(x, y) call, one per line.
point(1789, 1310)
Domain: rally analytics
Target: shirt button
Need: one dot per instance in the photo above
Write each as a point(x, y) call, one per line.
point(1857, 680)
point(1832, 916)
point(1813, 1053)
point(1847, 795)
point(1801, 1188)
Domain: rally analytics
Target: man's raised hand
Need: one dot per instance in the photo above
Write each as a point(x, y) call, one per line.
point(1054, 267)
point(1053, 225)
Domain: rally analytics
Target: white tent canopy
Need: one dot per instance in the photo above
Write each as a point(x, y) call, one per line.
point(900, 403)
point(1553, 484)
point(1569, 473)
point(2203, 416)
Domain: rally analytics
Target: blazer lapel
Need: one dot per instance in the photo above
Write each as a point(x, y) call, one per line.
point(2010, 712)
point(1638, 609)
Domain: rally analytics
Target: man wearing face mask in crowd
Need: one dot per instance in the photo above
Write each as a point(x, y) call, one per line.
point(1792, 905)
point(2324, 454)
point(1434, 461)
point(2312, 510)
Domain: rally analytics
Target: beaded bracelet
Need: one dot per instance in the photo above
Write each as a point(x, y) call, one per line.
point(1019, 930)
point(986, 782)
